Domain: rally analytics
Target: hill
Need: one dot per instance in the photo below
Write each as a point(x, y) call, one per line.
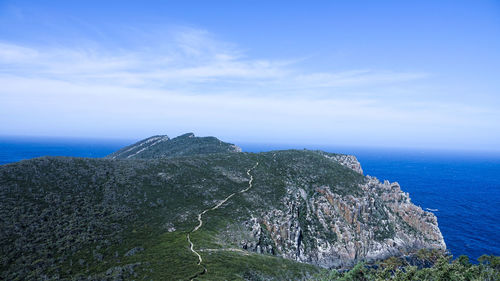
point(163, 146)
point(273, 215)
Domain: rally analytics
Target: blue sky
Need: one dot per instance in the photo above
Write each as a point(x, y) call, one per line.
point(363, 73)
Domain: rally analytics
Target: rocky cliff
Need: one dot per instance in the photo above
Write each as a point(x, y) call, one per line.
point(317, 224)
point(272, 215)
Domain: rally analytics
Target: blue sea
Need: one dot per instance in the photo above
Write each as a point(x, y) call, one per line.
point(461, 188)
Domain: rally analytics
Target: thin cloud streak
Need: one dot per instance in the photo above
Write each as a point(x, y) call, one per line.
point(194, 82)
point(192, 56)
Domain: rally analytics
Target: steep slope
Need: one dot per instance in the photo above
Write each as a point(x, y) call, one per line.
point(283, 218)
point(163, 146)
point(133, 150)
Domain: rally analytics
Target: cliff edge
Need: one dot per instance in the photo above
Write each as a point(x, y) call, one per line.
point(176, 208)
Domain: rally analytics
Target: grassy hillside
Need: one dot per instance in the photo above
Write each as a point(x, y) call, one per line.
point(184, 145)
point(111, 219)
point(71, 217)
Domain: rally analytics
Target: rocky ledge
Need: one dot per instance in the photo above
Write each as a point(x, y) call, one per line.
point(77, 218)
point(329, 229)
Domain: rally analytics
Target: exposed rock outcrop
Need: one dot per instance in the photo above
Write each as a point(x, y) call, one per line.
point(333, 230)
point(65, 217)
point(349, 161)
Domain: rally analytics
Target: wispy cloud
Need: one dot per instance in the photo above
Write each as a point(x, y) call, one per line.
point(357, 78)
point(188, 56)
point(189, 80)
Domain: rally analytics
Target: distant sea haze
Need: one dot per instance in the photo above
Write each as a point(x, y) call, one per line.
point(461, 189)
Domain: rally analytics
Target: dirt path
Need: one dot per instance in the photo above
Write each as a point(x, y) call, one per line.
point(243, 252)
point(200, 222)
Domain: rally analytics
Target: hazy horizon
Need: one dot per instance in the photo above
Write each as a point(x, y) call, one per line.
point(257, 146)
point(362, 73)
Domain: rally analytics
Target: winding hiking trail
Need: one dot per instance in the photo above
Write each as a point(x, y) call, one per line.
point(191, 245)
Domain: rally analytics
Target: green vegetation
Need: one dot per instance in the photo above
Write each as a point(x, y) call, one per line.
point(64, 218)
point(67, 217)
point(439, 267)
point(184, 145)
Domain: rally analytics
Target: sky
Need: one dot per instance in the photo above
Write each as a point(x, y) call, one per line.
point(420, 74)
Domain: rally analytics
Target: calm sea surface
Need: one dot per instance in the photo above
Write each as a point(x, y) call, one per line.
point(462, 189)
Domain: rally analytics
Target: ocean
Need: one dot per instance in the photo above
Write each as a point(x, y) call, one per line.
point(461, 188)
